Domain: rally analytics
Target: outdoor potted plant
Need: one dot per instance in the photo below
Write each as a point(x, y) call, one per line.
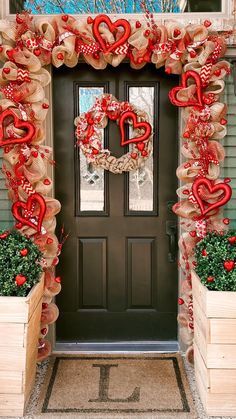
point(214, 304)
point(21, 292)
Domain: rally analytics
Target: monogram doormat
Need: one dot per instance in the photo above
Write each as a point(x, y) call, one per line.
point(121, 387)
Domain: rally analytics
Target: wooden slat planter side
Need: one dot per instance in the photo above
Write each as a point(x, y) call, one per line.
point(215, 348)
point(19, 331)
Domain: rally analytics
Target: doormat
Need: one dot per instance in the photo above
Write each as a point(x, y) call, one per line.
point(143, 386)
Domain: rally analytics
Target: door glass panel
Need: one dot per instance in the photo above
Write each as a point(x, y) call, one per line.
point(91, 180)
point(141, 180)
point(114, 6)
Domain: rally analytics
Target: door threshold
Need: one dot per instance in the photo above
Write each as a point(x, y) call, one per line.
point(116, 347)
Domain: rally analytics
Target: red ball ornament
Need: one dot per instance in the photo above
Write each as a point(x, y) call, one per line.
point(65, 18)
point(180, 301)
point(147, 33)
point(207, 23)
point(186, 134)
point(226, 221)
point(44, 306)
point(229, 265)
point(20, 280)
point(60, 56)
point(210, 279)
point(193, 54)
point(204, 252)
point(1, 49)
point(24, 252)
point(3, 236)
point(232, 239)
point(227, 180)
point(58, 279)
point(223, 121)
point(138, 24)
point(45, 105)
point(89, 20)
point(37, 52)
point(95, 151)
point(34, 154)
point(177, 32)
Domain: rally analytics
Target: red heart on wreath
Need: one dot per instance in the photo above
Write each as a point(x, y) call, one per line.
point(28, 207)
point(141, 125)
point(113, 28)
point(212, 189)
point(185, 76)
point(18, 123)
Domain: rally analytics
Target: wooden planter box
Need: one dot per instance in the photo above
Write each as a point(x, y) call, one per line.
point(19, 332)
point(215, 348)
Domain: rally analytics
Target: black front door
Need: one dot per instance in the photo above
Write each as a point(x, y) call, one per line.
point(119, 280)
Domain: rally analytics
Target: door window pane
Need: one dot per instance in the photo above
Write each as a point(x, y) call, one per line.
point(114, 6)
point(141, 180)
point(91, 184)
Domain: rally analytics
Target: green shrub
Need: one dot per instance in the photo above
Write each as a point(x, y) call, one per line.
point(216, 261)
point(19, 264)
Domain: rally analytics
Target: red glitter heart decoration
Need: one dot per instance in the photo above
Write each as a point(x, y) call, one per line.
point(113, 26)
point(229, 265)
point(18, 123)
point(185, 76)
point(28, 207)
point(224, 187)
point(141, 125)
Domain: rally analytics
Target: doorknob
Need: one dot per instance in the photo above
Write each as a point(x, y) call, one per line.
point(171, 231)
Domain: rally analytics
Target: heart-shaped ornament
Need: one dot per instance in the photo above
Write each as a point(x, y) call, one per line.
point(113, 26)
point(141, 125)
point(18, 123)
point(224, 187)
point(229, 265)
point(197, 101)
point(23, 211)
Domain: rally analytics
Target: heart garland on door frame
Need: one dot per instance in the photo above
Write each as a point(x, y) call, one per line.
point(190, 74)
point(89, 137)
point(113, 26)
point(18, 123)
point(29, 207)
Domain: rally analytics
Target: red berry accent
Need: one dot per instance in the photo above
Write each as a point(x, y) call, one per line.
point(210, 279)
point(223, 121)
point(227, 180)
point(168, 70)
point(193, 233)
point(20, 280)
point(6, 150)
point(3, 236)
point(180, 301)
point(226, 221)
point(37, 52)
point(232, 239)
point(147, 33)
point(138, 24)
point(60, 56)
point(45, 105)
point(6, 70)
point(24, 252)
point(193, 54)
point(49, 240)
point(134, 156)
point(34, 154)
point(47, 182)
point(207, 23)
point(65, 18)
point(58, 279)
point(89, 20)
point(144, 153)
point(19, 20)
point(140, 60)
point(229, 265)
point(95, 151)
point(217, 72)
point(186, 134)
point(1, 49)
point(204, 252)
point(177, 32)
point(44, 305)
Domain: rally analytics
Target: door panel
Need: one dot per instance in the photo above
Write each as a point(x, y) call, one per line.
point(118, 284)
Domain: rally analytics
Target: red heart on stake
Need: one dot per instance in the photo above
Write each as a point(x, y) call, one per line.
point(224, 187)
point(18, 123)
point(23, 211)
point(141, 125)
point(113, 26)
point(185, 76)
